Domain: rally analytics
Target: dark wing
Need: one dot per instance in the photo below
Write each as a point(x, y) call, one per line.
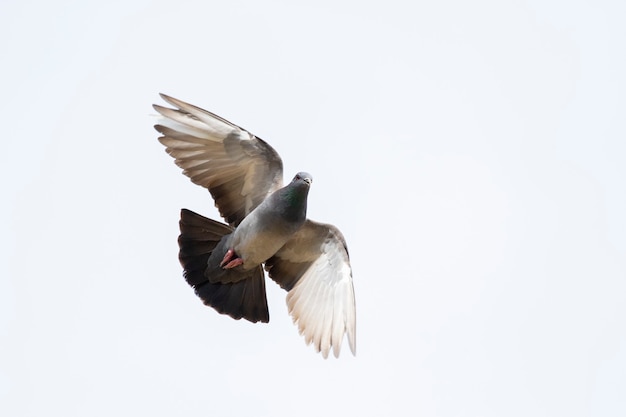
point(315, 268)
point(238, 168)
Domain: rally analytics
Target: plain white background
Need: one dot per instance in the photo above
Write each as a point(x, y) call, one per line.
point(473, 154)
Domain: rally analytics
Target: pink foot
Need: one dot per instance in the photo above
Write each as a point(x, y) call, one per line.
point(230, 260)
point(235, 262)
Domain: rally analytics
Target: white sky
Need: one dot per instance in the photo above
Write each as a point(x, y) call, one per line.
point(473, 153)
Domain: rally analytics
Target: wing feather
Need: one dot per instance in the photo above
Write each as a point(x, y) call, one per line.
point(238, 168)
point(314, 267)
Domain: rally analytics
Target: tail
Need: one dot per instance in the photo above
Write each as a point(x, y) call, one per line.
point(242, 299)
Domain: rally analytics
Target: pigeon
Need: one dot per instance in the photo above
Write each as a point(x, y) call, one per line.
point(266, 229)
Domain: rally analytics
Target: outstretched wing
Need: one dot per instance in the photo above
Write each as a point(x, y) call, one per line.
point(239, 169)
point(314, 267)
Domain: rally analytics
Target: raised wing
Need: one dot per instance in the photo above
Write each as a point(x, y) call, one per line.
point(314, 267)
point(239, 169)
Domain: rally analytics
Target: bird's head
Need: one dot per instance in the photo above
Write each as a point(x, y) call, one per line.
point(303, 178)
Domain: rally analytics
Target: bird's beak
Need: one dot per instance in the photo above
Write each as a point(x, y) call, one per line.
point(309, 181)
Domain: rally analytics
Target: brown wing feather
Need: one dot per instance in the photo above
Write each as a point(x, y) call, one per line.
point(238, 168)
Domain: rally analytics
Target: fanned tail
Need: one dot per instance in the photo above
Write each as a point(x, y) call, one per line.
point(246, 298)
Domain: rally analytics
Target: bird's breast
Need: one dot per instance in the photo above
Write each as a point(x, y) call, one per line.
point(255, 242)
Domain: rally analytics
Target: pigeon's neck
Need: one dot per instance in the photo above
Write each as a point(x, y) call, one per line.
point(294, 201)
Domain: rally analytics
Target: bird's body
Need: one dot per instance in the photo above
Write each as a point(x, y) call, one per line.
point(272, 223)
point(267, 228)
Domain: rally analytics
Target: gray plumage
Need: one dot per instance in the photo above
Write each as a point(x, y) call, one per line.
point(267, 226)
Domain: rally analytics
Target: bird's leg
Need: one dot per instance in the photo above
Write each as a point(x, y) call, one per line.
point(231, 260)
point(230, 254)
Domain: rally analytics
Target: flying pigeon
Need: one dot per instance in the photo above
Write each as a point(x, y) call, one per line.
point(267, 228)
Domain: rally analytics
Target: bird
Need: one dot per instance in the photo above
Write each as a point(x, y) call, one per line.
point(266, 229)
